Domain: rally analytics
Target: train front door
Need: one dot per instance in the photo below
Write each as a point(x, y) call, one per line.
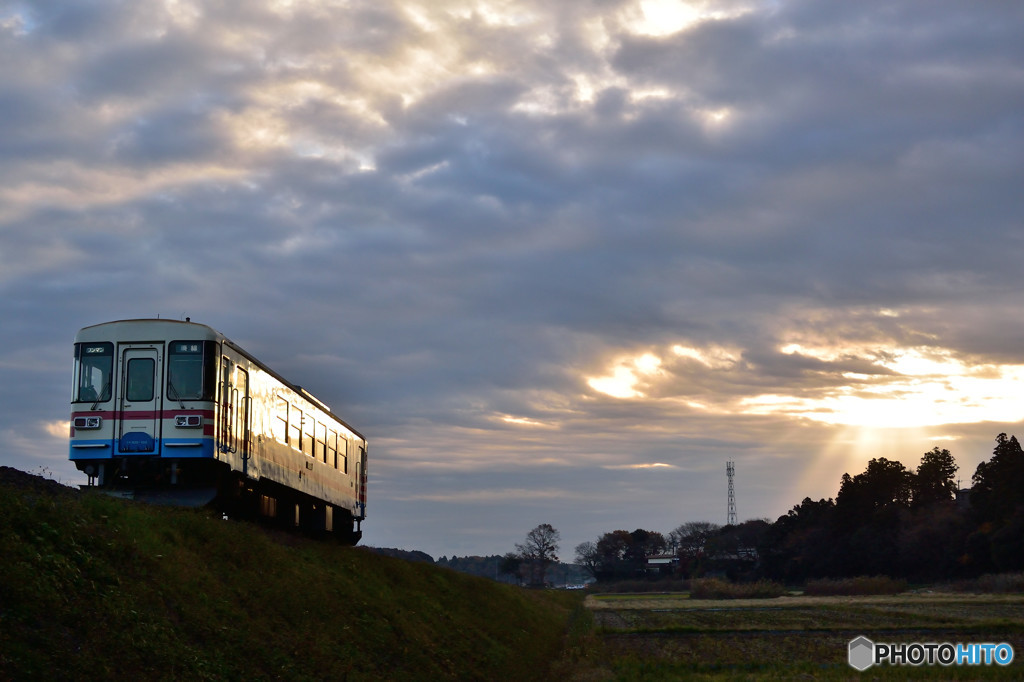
point(139, 399)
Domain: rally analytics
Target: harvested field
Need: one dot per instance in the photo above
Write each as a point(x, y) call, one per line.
point(667, 636)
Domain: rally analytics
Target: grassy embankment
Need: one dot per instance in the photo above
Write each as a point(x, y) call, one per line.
point(97, 588)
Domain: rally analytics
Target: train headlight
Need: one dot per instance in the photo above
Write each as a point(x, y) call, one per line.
point(88, 422)
point(188, 421)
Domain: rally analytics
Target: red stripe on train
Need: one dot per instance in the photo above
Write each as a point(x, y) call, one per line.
point(143, 414)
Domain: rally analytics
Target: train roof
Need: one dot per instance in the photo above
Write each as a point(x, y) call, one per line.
point(210, 333)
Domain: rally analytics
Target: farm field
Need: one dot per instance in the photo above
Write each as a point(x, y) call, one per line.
point(670, 636)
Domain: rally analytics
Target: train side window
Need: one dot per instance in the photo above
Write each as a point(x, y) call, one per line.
point(332, 449)
point(343, 453)
point(140, 380)
point(94, 371)
point(280, 424)
point(307, 435)
point(295, 428)
point(321, 442)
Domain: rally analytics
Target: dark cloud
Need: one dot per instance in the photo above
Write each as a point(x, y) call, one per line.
point(450, 224)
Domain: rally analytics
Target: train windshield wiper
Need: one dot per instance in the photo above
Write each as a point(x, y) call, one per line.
point(171, 389)
point(103, 392)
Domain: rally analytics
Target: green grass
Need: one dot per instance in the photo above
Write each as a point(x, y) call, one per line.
point(97, 588)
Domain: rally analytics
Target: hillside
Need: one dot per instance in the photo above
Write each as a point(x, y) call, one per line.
point(95, 587)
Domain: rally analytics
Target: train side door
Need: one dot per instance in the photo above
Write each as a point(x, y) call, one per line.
point(235, 414)
point(361, 481)
point(243, 415)
point(139, 399)
point(226, 427)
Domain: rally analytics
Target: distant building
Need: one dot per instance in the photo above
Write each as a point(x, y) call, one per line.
point(662, 564)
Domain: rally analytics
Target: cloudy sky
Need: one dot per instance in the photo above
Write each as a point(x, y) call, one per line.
point(558, 261)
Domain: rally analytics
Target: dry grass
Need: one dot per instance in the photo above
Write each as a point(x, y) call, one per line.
point(672, 636)
point(862, 585)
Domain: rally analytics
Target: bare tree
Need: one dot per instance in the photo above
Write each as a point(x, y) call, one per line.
point(539, 551)
point(689, 539)
point(587, 557)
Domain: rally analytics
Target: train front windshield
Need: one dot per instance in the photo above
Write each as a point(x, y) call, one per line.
point(94, 369)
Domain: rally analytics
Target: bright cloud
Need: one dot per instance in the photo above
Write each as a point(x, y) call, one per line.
point(895, 387)
point(624, 377)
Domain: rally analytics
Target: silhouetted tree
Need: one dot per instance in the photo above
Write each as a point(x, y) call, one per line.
point(997, 504)
point(511, 564)
point(612, 553)
point(934, 480)
point(689, 541)
point(645, 543)
point(998, 484)
point(619, 555)
point(799, 545)
point(1007, 544)
point(587, 557)
point(539, 551)
point(884, 485)
point(868, 511)
point(932, 542)
point(735, 551)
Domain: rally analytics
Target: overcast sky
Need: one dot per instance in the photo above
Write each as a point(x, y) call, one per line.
point(558, 261)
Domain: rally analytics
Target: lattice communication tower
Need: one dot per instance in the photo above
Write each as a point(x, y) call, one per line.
point(730, 469)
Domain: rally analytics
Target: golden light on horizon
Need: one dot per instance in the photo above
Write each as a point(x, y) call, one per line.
point(857, 385)
point(910, 388)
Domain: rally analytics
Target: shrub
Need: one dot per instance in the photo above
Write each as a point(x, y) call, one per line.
point(713, 588)
point(623, 586)
point(861, 585)
point(990, 583)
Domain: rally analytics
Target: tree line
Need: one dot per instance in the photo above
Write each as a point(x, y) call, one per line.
point(887, 520)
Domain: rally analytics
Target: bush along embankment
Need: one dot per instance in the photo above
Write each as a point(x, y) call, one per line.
point(99, 588)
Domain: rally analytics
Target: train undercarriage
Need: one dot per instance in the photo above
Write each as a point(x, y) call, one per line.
point(199, 483)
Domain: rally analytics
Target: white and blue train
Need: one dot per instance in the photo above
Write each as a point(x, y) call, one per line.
point(175, 412)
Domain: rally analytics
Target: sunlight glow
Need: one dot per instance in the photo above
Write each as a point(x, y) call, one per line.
point(523, 421)
point(659, 18)
point(715, 357)
point(58, 429)
point(624, 378)
point(857, 385)
point(914, 387)
point(664, 17)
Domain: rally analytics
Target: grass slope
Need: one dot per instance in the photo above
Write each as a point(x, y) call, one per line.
point(94, 587)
